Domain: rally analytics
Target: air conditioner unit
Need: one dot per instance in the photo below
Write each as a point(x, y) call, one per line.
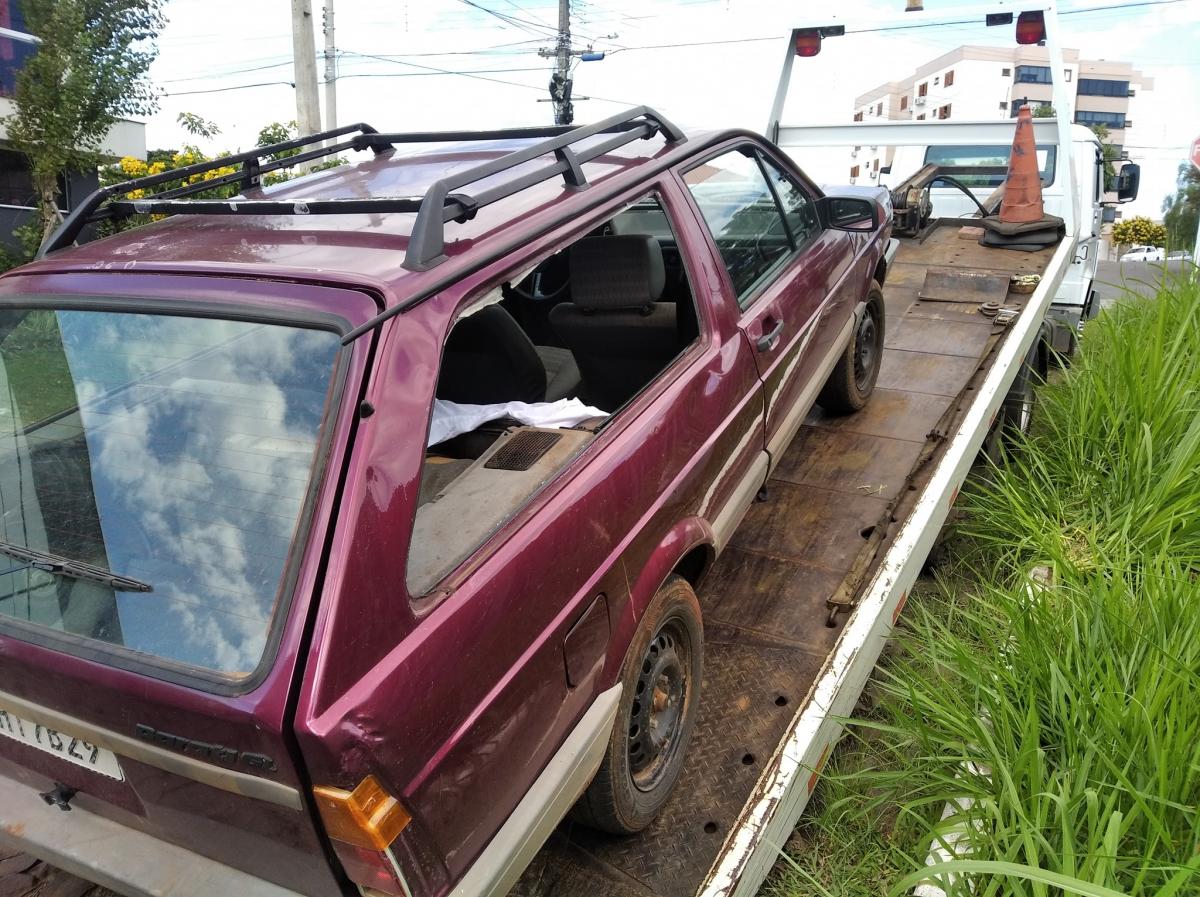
point(919, 101)
point(854, 154)
point(874, 175)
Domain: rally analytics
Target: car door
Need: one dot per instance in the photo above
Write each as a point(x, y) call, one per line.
point(784, 271)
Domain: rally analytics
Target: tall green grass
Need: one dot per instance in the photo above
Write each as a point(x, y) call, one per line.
point(1066, 713)
point(1110, 470)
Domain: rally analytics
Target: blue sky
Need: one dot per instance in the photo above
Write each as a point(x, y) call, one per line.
point(710, 85)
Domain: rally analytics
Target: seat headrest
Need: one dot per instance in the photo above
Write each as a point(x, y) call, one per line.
point(616, 272)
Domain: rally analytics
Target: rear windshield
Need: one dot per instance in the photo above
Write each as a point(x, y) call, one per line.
point(986, 166)
point(174, 452)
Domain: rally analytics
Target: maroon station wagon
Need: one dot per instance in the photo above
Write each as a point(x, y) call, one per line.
point(351, 527)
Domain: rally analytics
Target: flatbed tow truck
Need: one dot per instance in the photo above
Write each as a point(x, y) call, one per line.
point(799, 606)
point(801, 603)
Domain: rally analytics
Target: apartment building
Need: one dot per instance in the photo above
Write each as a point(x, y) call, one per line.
point(982, 83)
point(125, 138)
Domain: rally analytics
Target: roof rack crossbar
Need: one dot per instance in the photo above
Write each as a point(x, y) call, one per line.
point(542, 131)
point(427, 242)
point(125, 207)
point(439, 204)
point(86, 211)
point(120, 208)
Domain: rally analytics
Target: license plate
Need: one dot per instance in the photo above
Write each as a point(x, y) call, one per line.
point(61, 744)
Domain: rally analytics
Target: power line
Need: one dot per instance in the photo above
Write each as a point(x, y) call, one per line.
point(188, 93)
point(885, 28)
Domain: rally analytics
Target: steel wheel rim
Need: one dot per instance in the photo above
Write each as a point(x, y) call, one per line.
point(866, 352)
point(656, 715)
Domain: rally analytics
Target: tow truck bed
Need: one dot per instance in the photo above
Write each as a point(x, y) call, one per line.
point(850, 512)
point(835, 506)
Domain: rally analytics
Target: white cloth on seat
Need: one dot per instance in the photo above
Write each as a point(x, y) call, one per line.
point(452, 419)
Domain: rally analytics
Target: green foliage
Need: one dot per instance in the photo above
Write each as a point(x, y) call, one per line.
point(1139, 231)
point(160, 161)
point(1181, 212)
point(1110, 154)
point(1044, 110)
point(197, 126)
point(90, 69)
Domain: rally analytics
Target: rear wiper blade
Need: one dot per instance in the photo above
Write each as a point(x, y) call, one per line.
point(60, 566)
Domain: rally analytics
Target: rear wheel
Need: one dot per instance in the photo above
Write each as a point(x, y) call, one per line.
point(852, 379)
point(660, 699)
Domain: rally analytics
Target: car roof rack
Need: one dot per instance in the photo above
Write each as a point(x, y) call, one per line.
point(440, 203)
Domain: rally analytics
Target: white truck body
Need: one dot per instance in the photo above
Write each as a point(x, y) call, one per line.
point(1073, 303)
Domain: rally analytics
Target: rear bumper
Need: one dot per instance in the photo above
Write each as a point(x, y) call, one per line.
point(115, 856)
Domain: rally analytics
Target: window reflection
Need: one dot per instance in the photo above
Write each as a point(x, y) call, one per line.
point(172, 450)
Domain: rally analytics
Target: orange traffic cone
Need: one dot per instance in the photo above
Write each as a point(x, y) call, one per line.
point(1022, 201)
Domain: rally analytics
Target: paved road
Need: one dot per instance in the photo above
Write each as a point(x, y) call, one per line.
point(1141, 277)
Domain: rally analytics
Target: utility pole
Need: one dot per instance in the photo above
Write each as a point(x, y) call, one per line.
point(560, 81)
point(304, 52)
point(330, 69)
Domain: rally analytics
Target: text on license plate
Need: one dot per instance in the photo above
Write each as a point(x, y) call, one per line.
point(61, 744)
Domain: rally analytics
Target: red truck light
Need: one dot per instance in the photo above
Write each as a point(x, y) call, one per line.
point(1031, 28)
point(808, 42)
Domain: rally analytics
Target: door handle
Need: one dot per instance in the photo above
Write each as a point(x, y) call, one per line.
point(767, 341)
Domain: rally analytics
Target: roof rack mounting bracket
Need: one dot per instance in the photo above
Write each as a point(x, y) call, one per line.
point(573, 173)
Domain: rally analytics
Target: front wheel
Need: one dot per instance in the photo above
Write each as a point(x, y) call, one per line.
point(660, 700)
point(852, 379)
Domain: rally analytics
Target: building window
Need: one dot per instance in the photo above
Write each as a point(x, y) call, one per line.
point(875, 165)
point(923, 90)
point(879, 109)
point(1113, 120)
point(1003, 106)
point(903, 103)
point(1005, 73)
point(1067, 75)
point(854, 171)
point(944, 111)
point(921, 117)
point(1033, 74)
point(949, 82)
point(1102, 87)
point(858, 116)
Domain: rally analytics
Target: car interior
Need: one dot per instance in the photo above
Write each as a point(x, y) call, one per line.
point(596, 322)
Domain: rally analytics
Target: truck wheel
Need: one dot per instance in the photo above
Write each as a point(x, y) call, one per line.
point(852, 380)
point(660, 699)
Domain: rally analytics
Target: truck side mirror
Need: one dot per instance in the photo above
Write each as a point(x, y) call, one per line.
point(848, 213)
point(1128, 180)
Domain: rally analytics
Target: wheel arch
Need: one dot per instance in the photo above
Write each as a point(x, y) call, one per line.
point(687, 549)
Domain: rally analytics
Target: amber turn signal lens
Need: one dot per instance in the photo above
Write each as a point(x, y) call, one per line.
point(366, 817)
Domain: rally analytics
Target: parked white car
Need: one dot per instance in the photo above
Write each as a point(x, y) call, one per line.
point(1145, 254)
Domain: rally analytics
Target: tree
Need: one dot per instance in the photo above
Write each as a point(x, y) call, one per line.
point(1181, 212)
point(1110, 154)
point(1139, 231)
point(90, 69)
point(1044, 110)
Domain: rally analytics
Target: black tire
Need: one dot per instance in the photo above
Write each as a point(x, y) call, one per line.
point(852, 379)
point(639, 771)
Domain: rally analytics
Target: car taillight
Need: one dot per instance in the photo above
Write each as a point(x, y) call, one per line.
point(808, 42)
point(1031, 28)
point(373, 870)
point(362, 824)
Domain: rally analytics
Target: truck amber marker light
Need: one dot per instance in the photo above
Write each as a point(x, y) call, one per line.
point(366, 817)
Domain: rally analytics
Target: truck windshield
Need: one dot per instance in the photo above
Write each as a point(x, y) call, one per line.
point(986, 166)
point(173, 450)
